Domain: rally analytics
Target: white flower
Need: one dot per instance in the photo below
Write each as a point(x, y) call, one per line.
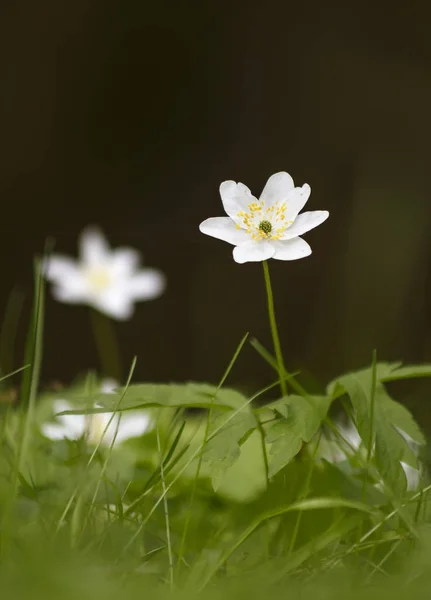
point(108, 280)
point(413, 476)
point(129, 424)
point(334, 453)
point(350, 434)
point(266, 228)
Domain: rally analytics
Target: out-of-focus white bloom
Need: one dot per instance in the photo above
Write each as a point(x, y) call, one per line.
point(335, 451)
point(122, 427)
point(266, 228)
point(413, 476)
point(108, 280)
point(350, 434)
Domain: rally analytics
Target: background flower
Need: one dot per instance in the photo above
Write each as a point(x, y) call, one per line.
point(332, 451)
point(266, 228)
point(108, 280)
point(130, 423)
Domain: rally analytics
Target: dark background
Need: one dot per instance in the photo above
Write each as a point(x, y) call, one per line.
point(129, 115)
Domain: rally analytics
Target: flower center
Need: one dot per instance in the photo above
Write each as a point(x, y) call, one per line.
point(94, 428)
point(264, 223)
point(98, 278)
point(266, 227)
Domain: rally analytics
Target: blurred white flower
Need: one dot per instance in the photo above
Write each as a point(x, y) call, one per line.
point(266, 228)
point(108, 280)
point(122, 427)
point(336, 452)
point(350, 434)
point(413, 476)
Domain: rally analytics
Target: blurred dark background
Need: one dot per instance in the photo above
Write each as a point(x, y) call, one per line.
point(129, 115)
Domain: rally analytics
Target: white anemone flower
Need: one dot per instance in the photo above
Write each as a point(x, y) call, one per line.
point(108, 280)
point(123, 426)
point(266, 228)
point(334, 453)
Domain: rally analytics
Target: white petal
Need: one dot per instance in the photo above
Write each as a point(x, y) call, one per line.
point(71, 285)
point(124, 261)
point(74, 291)
point(350, 434)
point(291, 249)
point(235, 197)
point(115, 302)
point(145, 285)
point(72, 426)
point(59, 406)
point(54, 431)
point(101, 424)
point(253, 251)
point(59, 268)
point(133, 425)
point(413, 476)
point(305, 222)
point(107, 386)
point(277, 188)
point(296, 201)
point(224, 228)
point(94, 247)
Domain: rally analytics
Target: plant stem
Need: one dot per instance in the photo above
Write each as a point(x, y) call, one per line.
point(107, 347)
point(274, 330)
point(165, 506)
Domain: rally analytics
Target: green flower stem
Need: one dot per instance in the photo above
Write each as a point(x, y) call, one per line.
point(274, 330)
point(106, 343)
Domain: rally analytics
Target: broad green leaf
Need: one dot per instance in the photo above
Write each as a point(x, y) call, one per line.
point(284, 449)
point(390, 445)
point(223, 449)
point(383, 371)
point(301, 506)
point(400, 417)
point(408, 372)
point(245, 479)
point(286, 436)
point(145, 395)
point(389, 452)
point(340, 528)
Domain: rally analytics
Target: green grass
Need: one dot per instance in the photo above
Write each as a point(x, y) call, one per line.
point(227, 495)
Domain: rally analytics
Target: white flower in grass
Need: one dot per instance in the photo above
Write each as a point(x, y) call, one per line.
point(108, 280)
point(353, 443)
point(123, 426)
point(266, 228)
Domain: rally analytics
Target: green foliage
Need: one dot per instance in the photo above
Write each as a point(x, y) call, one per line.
point(302, 417)
point(189, 395)
point(223, 488)
point(227, 433)
point(382, 427)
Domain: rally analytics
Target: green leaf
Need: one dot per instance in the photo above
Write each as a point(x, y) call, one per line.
point(245, 480)
point(408, 372)
point(390, 445)
point(334, 534)
point(223, 449)
point(400, 417)
point(286, 436)
point(320, 503)
point(383, 371)
point(284, 449)
point(301, 506)
point(389, 452)
point(145, 395)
